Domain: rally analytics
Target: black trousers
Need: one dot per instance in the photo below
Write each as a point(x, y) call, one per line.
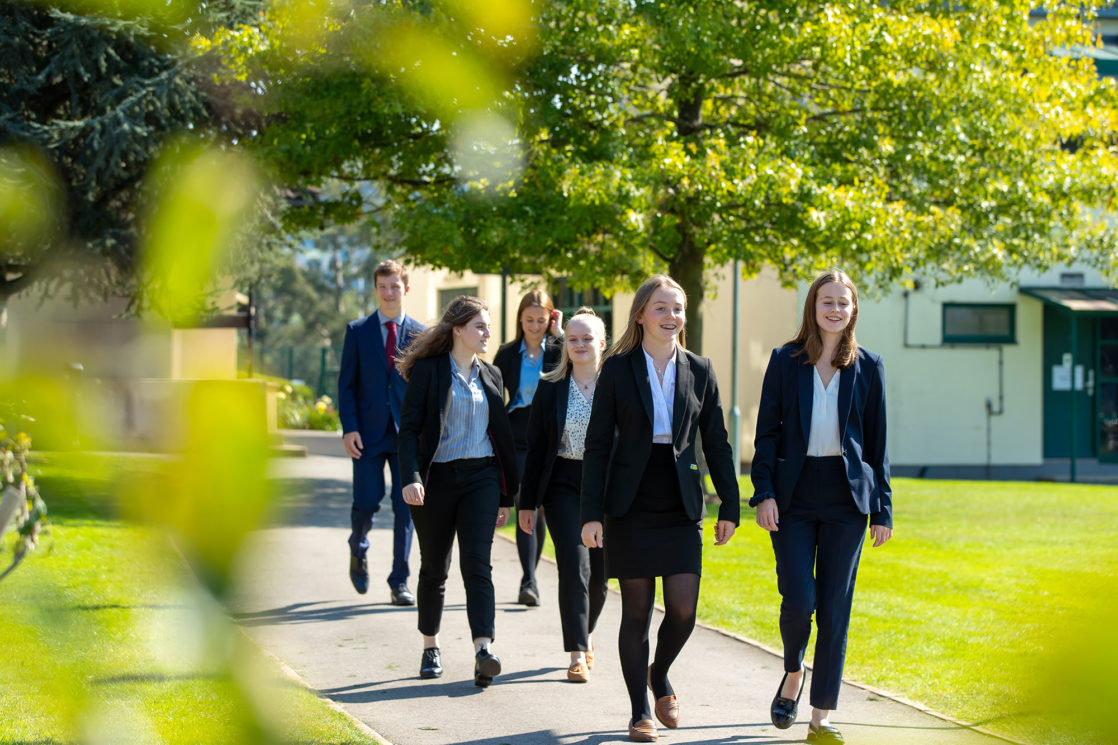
point(461, 498)
point(817, 551)
point(582, 570)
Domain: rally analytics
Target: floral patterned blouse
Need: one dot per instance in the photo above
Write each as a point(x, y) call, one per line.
point(572, 444)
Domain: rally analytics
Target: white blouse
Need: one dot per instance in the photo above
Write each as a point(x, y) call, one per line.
point(663, 396)
point(824, 438)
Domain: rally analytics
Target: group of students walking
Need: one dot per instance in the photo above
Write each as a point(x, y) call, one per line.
point(602, 443)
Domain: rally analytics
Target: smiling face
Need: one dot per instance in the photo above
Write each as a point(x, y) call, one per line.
point(474, 335)
point(584, 342)
point(664, 315)
point(534, 320)
point(834, 307)
point(390, 292)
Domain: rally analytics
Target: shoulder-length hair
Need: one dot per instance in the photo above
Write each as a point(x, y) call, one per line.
point(531, 300)
point(634, 332)
point(809, 338)
point(439, 339)
point(595, 322)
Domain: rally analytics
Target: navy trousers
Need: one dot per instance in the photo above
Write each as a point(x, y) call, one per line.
point(368, 493)
point(817, 551)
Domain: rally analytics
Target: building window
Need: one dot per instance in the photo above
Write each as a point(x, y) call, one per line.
point(445, 296)
point(568, 301)
point(979, 323)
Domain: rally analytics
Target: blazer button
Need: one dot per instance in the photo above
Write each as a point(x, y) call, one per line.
point(844, 451)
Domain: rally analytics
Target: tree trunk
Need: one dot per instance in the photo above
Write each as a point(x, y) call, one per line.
point(687, 268)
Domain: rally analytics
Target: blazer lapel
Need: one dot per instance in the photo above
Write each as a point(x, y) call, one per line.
point(805, 381)
point(562, 395)
point(846, 394)
point(377, 341)
point(684, 381)
point(644, 385)
point(443, 381)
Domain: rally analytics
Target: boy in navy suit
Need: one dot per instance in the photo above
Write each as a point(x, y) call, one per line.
point(370, 393)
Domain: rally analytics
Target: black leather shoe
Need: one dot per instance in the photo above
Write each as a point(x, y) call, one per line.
point(432, 664)
point(529, 595)
point(359, 573)
point(826, 734)
point(401, 595)
point(783, 710)
point(486, 668)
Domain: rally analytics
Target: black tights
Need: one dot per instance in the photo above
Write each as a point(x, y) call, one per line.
point(681, 595)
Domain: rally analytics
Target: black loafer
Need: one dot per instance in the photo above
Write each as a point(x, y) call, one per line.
point(826, 734)
point(529, 595)
point(783, 710)
point(359, 573)
point(401, 595)
point(432, 664)
point(486, 668)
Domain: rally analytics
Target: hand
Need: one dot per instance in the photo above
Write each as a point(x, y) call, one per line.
point(592, 534)
point(352, 443)
point(556, 326)
point(768, 516)
point(413, 494)
point(502, 516)
point(527, 520)
point(723, 531)
point(880, 534)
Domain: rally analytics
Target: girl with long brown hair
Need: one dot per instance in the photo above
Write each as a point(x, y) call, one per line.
point(459, 472)
point(642, 496)
point(821, 467)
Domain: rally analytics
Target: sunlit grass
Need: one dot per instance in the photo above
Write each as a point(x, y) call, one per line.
point(101, 638)
point(989, 598)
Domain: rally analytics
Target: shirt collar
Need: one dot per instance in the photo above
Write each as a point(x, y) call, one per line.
point(648, 360)
point(454, 366)
point(383, 319)
point(524, 343)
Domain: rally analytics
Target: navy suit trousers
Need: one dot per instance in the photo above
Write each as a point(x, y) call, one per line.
point(368, 494)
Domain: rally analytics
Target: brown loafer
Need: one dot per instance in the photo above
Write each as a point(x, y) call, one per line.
point(667, 707)
point(590, 657)
point(643, 731)
point(578, 672)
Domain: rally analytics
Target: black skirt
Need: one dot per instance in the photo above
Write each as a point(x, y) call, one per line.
point(655, 538)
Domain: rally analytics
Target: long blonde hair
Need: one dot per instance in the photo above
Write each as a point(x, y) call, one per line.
point(439, 339)
point(809, 338)
point(595, 322)
point(634, 332)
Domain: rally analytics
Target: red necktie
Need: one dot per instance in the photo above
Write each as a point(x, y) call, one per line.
point(390, 344)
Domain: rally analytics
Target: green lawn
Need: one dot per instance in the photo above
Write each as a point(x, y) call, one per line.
point(989, 603)
point(104, 641)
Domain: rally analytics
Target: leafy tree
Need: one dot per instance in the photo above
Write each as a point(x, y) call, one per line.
point(894, 139)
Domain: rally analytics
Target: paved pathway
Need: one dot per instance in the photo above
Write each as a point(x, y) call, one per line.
point(363, 653)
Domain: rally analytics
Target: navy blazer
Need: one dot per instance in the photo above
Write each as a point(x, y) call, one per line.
point(368, 392)
point(619, 437)
point(784, 425)
point(423, 417)
point(546, 421)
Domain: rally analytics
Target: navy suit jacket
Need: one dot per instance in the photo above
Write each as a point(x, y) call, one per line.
point(369, 394)
point(619, 437)
point(784, 424)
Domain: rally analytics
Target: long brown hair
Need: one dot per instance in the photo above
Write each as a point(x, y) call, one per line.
point(531, 300)
point(809, 338)
point(634, 332)
point(439, 339)
point(594, 321)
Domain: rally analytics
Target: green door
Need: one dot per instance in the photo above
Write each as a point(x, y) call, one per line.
point(1107, 425)
point(1065, 385)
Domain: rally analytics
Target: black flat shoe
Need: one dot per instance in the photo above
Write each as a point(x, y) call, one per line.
point(486, 668)
point(401, 595)
point(783, 710)
point(529, 595)
point(827, 735)
point(432, 664)
point(359, 573)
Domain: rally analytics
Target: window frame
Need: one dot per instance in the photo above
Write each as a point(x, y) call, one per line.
point(1010, 338)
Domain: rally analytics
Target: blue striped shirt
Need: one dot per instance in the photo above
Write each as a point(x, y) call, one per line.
point(466, 431)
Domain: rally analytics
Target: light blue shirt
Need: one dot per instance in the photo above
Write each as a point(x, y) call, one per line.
point(530, 371)
point(466, 431)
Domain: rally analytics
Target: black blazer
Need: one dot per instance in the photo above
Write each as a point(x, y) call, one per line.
point(784, 424)
point(369, 394)
point(619, 438)
point(424, 415)
point(545, 428)
point(507, 361)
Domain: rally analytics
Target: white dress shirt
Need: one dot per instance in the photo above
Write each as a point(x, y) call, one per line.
point(824, 438)
point(663, 397)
